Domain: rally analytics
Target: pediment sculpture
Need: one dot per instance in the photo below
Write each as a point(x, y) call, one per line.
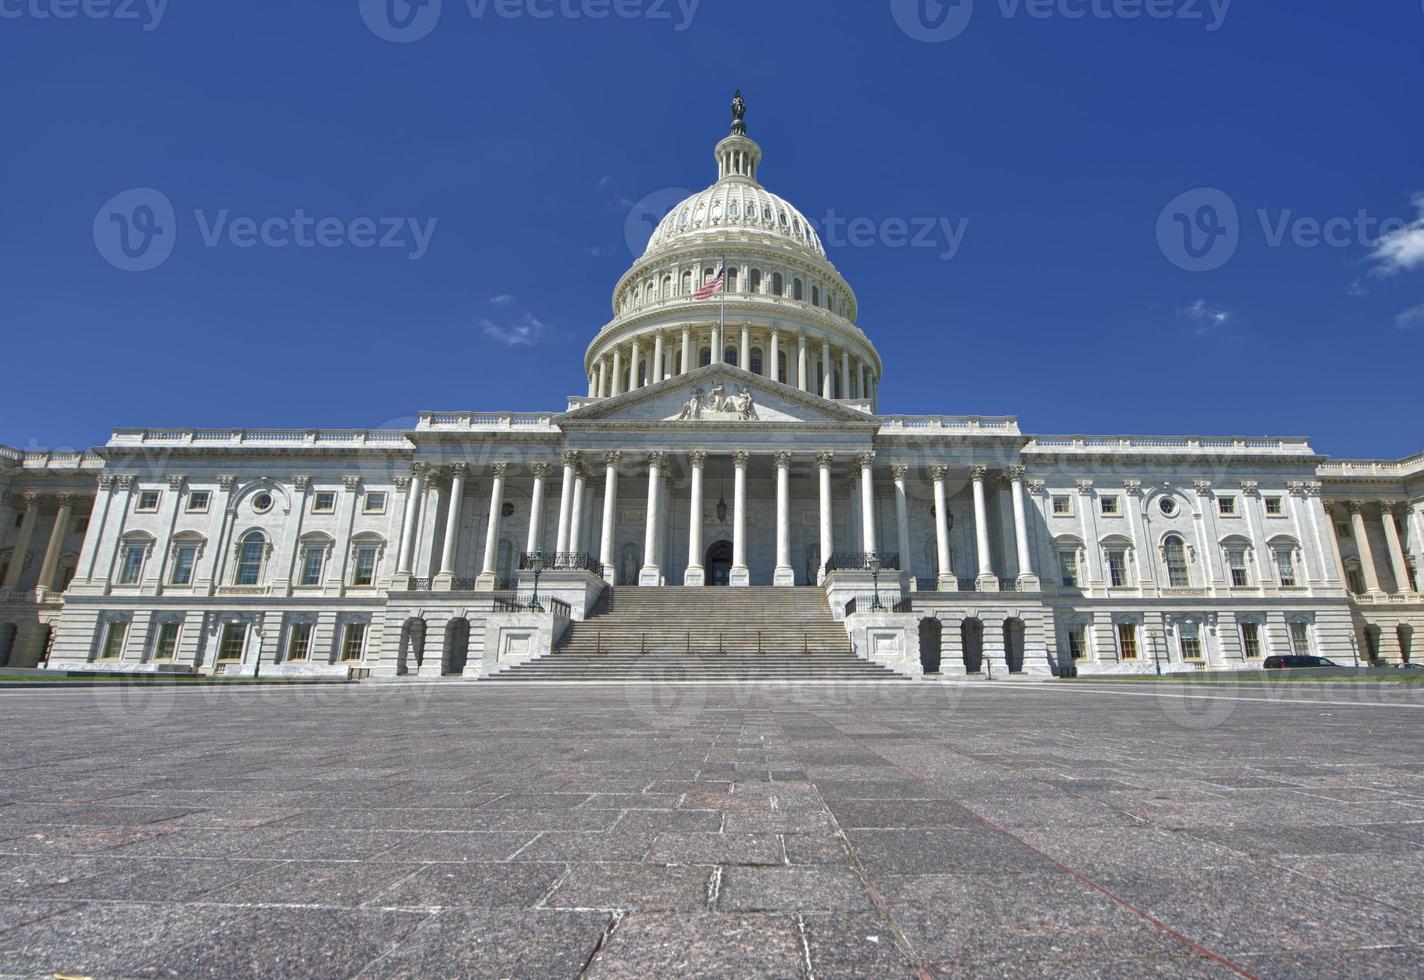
point(715, 405)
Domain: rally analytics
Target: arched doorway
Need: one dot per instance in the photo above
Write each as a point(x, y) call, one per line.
point(1014, 645)
point(457, 647)
point(412, 652)
point(7, 642)
point(931, 635)
point(718, 563)
point(971, 634)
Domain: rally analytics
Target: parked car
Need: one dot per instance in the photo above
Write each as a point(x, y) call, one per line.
point(1298, 660)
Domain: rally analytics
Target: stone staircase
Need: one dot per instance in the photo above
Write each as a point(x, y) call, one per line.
point(688, 634)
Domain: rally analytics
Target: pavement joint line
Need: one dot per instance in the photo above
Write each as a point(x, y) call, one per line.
point(1081, 876)
point(1209, 697)
point(365, 970)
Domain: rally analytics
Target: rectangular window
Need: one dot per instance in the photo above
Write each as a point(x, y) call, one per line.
point(1236, 561)
point(1112, 506)
point(1117, 568)
point(185, 556)
point(1275, 507)
point(199, 500)
point(147, 501)
point(114, 641)
point(1078, 642)
point(1300, 639)
point(1063, 506)
point(324, 502)
point(1285, 562)
point(1342, 531)
point(234, 638)
point(166, 645)
point(313, 557)
point(365, 570)
point(299, 641)
point(1127, 640)
point(131, 564)
point(1068, 566)
point(353, 643)
point(1191, 641)
point(1226, 506)
point(1251, 640)
point(1355, 581)
point(375, 503)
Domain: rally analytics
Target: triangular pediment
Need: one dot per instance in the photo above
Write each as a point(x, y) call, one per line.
point(716, 395)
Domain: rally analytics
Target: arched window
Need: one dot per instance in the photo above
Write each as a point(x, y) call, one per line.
point(708, 275)
point(732, 280)
point(642, 374)
point(1174, 552)
point(754, 281)
point(704, 358)
point(251, 552)
point(686, 282)
point(756, 359)
point(667, 286)
point(796, 289)
point(778, 284)
point(815, 295)
point(729, 356)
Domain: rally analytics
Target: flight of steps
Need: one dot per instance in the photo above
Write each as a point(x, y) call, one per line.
point(689, 634)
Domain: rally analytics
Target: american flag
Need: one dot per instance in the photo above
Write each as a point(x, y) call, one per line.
point(714, 287)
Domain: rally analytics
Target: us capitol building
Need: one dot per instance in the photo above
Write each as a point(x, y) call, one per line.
point(730, 438)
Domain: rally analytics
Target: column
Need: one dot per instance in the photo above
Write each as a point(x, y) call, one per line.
point(740, 576)
point(535, 541)
point(744, 355)
point(946, 580)
point(602, 377)
point(1362, 544)
point(902, 522)
point(61, 528)
point(845, 381)
point(611, 461)
point(445, 579)
point(1027, 580)
point(860, 390)
point(784, 575)
point(656, 374)
point(576, 515)
point(652, 575)
point(90, 551)
point(634, 382)
point(987, 580)
point(489, 576)
point(617, 372)
point(826, 372)
point(823, 466)
point(566, 501)
point(1391, 535)
point(801, 381)
point(866, 462)
point(717, 347)
point(695, 575)
point(686, 349)
point(412, 509)
point(774, 359)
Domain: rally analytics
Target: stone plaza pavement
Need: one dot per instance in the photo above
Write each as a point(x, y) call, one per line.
point(875, 831)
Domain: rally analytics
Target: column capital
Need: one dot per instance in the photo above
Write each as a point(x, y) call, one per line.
point(351, 482)
point(499, 469)
point(783, 461)
point(301, 482)
point(176, 481)
point(865, 460)
point(741, 458)
point(1308, 488)
point(402, 483)
point(106, 481)
point(899, 472)
point(1133, 487)
point(825, 460)
point(1398, 508)
point(658, 459)
point(613, 458)
point(66, 499)
point(1013, 473)
point(571, 457)
point(461, 469)
point(938, 473)
point(698, 458)
point(1037, 486)
point(978, 472)
point(1250, 487)
point(541, 470)
point(1202, 487)
point(1083, 486)
point(1356, 506)
point(226, 481)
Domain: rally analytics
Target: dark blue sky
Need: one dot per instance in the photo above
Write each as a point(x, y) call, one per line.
point(1060, 140)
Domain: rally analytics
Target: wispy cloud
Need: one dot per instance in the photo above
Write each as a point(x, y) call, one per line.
point(503, 299)
point(1204, 317)
point(522, 330)
point(1401, 250)
point(1413, 317)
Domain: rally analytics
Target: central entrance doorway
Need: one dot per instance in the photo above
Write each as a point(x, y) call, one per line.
point(718, 563)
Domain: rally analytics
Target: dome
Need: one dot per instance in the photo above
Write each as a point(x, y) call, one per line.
point(740, 207)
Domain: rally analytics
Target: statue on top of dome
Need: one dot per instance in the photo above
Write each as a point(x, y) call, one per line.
point(739, 114)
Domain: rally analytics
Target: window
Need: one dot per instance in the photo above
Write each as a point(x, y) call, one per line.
point(1190, 636)
point(167, 643)
point(262, 502)
point(114, 641)
point(313, 558)
point(1251, 640)
point(704, 358)
point(729, 356)
point(1117, 567)
point(365, 571)
point(1078, 641)
point(1175, 553)
point(754, 281)
point(1342, 530)
point(778, 282)
point(1068, 567)
point(324, 502)
point(376, 500)
point(1112, 506)
point(815, 295)
point(353, 643)
point(251, 552)
point(1285, 563)
point(797, 290)
point(1062, 506)
point(1226, 506)
point(131, 563)
point(1300, 638)
point(299, 641)
point(199, 501)
point(755, 361)
point(148, 501)
point(1127, 640)
point(185, 556)
point(1275, 507)
point(234, 638)
point(1355, 581)
point(1168, 506)
point(1236, 561)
